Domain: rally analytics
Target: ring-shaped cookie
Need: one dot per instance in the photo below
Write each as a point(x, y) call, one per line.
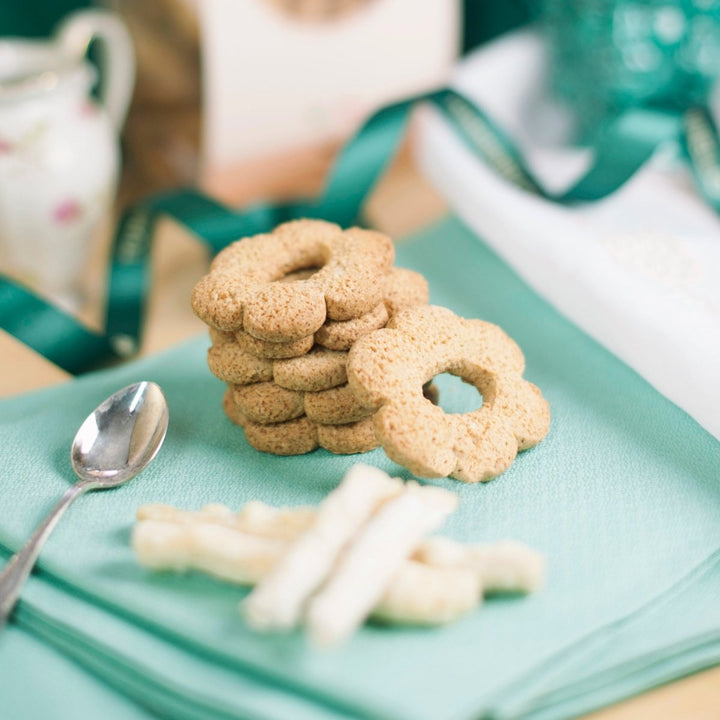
point(244, 288)
point(387, 369)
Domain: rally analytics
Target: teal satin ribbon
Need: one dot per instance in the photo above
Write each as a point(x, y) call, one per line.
point(624, 146)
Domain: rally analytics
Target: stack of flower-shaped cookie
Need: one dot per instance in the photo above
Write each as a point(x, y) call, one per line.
point(283, 310)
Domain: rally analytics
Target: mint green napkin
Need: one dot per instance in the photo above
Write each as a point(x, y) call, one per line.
point(36, 681)
point(622, 496)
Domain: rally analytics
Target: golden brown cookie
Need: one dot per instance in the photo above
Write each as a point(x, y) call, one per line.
point(241, 290)
point(405, 288)
point(232, 365)
point(218, 337)
point(337, 406)
point(294, 437)
point(231, 409)
point(320, 369)
point(301, 435)
point(388, 367)
point(348, 439)
point(267, 402)
point(272, 350)
point(340, 335)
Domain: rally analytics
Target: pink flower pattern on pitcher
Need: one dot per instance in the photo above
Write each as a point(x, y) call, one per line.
point(59, 154)
point(67, 211)
point(88, 109)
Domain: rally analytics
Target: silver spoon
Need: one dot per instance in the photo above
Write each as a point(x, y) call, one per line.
point(116, 441)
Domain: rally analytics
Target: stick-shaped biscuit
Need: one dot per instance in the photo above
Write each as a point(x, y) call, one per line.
point(420, 594)
point(442, 581)
point(376, 554)
point(254, 517)
point(505, 566)
point(285, 523)
point(224, 552)
point(278, 601)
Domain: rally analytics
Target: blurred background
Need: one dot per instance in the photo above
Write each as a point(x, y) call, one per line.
point(103, 104)
point(246, 100)
point(251, 99)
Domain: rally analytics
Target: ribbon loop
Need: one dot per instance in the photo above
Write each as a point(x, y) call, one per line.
point(623, 148)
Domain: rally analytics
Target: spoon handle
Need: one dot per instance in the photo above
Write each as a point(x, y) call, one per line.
point(20, 565)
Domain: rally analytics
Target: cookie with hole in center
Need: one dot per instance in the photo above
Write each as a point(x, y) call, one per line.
point(386, 372)
point(242, 292)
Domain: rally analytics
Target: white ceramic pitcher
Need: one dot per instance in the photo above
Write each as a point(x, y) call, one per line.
point(59, 152)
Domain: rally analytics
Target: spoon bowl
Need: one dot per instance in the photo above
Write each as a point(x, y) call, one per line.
point(116, 441)
point(121, 436)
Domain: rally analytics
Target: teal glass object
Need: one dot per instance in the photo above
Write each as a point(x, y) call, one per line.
point(484, 21)
point(610, 55)
point(36, 18)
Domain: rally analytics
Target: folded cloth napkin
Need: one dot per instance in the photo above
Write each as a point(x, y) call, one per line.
point(638, 271)
point(621, 497)
point(46, 683)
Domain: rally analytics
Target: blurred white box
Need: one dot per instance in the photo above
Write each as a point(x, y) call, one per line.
point(638, 270)
point(276, 83)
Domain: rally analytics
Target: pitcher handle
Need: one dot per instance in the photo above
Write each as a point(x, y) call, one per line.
point(116, 56)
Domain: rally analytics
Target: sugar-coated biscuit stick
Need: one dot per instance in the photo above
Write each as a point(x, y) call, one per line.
point(420, 594)
point(442, 581)
point(222, 551)
point(279, 600)
point(284, 523)
point(254, 517)
point(505, 566)
point(367, 567)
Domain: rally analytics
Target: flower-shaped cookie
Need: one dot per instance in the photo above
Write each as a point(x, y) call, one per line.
point(387, 369)
point(301, 435)
point(242, 289)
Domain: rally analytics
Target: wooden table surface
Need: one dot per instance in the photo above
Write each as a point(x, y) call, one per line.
point(402, 203)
